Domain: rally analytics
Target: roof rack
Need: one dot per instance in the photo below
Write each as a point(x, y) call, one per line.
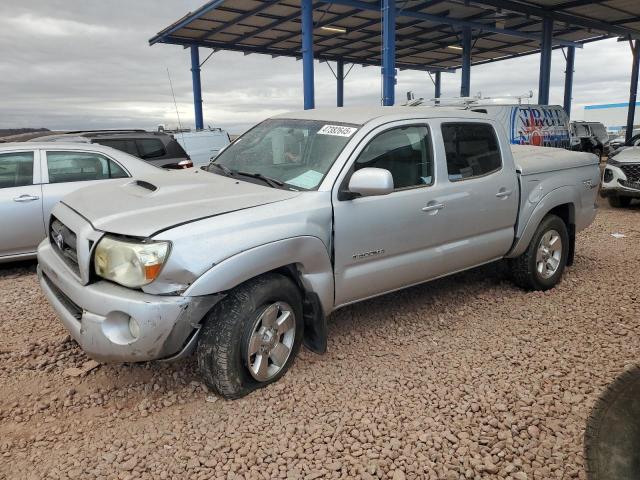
point(464, 102)
point(107, 130)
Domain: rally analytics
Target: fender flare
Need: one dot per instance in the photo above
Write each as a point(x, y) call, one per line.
point(559, 196)
point(308, 253)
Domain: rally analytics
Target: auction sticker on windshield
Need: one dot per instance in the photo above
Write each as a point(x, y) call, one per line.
point(337, 130)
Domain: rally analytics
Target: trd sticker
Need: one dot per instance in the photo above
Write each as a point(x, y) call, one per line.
point(337, 130)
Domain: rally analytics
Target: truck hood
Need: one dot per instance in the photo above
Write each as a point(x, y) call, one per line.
point(145, 206)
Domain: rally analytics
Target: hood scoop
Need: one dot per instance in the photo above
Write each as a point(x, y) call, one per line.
point(146, 185)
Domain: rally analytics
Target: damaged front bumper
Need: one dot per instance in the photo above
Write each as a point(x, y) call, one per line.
point(117, 324)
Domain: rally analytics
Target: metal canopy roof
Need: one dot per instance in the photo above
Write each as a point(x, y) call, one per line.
point(428, 32)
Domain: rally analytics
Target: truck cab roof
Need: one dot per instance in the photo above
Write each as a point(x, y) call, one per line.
point(363, 115)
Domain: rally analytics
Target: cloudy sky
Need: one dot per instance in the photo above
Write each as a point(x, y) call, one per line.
point(78, 64)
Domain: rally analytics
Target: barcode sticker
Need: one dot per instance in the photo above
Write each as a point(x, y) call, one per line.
point(337, 130)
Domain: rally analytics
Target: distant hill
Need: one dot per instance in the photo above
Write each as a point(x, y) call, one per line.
point(5, 132)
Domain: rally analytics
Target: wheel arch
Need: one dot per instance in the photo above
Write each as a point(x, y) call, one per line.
point(557, 202)
point(304, 259)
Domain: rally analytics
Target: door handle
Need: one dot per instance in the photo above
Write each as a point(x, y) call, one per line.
point(503, 193)
point(434, 207)
point(25, 198)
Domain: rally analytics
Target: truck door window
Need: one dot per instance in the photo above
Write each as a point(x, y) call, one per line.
point(16, 169)
point(405, 152)
point(472, 150)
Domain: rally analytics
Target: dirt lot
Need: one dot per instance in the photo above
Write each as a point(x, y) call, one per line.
point(467, 377)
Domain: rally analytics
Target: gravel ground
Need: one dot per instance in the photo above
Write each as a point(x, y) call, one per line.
point(466, 377)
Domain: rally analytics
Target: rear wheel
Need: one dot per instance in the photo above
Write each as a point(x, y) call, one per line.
point(540, 267)
point(616, 201)
point(250, 339)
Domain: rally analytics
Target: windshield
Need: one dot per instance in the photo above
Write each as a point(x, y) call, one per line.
point(296, 153)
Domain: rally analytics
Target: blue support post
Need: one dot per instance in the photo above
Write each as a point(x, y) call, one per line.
point(568, 79)
point(388, 52)
point(307, 54)
point(340, 83)
point(437, 85)
point(633, 90)
point(197, 87)
point(465, 84)
point(545, 61)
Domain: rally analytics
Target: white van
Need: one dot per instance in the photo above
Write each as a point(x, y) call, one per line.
point(540, 125)
point(202, 145)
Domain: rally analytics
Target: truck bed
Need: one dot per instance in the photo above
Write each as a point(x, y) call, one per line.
point(544, 171)
point(531, 160)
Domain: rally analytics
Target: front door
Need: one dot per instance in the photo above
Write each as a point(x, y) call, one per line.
point(21, 225)
point(380, 241)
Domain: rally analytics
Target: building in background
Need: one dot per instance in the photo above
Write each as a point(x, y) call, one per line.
point(612, 115)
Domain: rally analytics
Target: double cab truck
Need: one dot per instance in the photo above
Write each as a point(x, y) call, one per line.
point(305, 213)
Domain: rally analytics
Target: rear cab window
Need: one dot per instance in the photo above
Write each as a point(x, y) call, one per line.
point(472, 150)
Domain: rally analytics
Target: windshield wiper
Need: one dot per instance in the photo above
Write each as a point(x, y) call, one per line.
point(226, 170)
point(272, 182)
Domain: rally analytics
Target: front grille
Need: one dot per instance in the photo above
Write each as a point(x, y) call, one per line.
point(634, 185)
point(63, 241)
point(74, 309)
point(631, 171)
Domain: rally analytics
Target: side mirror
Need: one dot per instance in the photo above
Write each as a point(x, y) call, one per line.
point(368, 182)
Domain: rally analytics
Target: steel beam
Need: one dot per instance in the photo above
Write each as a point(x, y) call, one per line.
point(545, 61)
point(562, 17)
point(197, 87)
point(307, 53)
point(437, 84)
point(633, 90)
point(465, 84)
point(447, 20)
point(340, 83)
point(568, 80)
point(388, 52)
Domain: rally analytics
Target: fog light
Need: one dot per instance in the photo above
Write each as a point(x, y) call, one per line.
point(134, 328)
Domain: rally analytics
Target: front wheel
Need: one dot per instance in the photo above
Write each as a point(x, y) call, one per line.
point(252, 336)
point(540, 267)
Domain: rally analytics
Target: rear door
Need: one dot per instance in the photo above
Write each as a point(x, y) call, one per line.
point(66, 171)
point(20, 203)
point(478, 189)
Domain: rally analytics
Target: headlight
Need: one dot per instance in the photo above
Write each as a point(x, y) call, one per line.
point(131, 264)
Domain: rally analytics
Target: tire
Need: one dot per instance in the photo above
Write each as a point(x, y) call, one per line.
point(249, 317)
point(612, 436)
point(524, 269)
point(616, 201)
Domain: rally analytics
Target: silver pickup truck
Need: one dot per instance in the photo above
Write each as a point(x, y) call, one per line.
point(305, 213)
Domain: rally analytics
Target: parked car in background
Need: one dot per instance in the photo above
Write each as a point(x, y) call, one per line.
point(304, 214)
point(33, 178)
point(593, 137)
point(634, 141)
point(202, 145)
point(539, 125)
point(621, 178)
point(621, 140)
point(157, 148)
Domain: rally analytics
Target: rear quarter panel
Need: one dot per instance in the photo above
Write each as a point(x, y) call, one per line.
point(542, 192)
